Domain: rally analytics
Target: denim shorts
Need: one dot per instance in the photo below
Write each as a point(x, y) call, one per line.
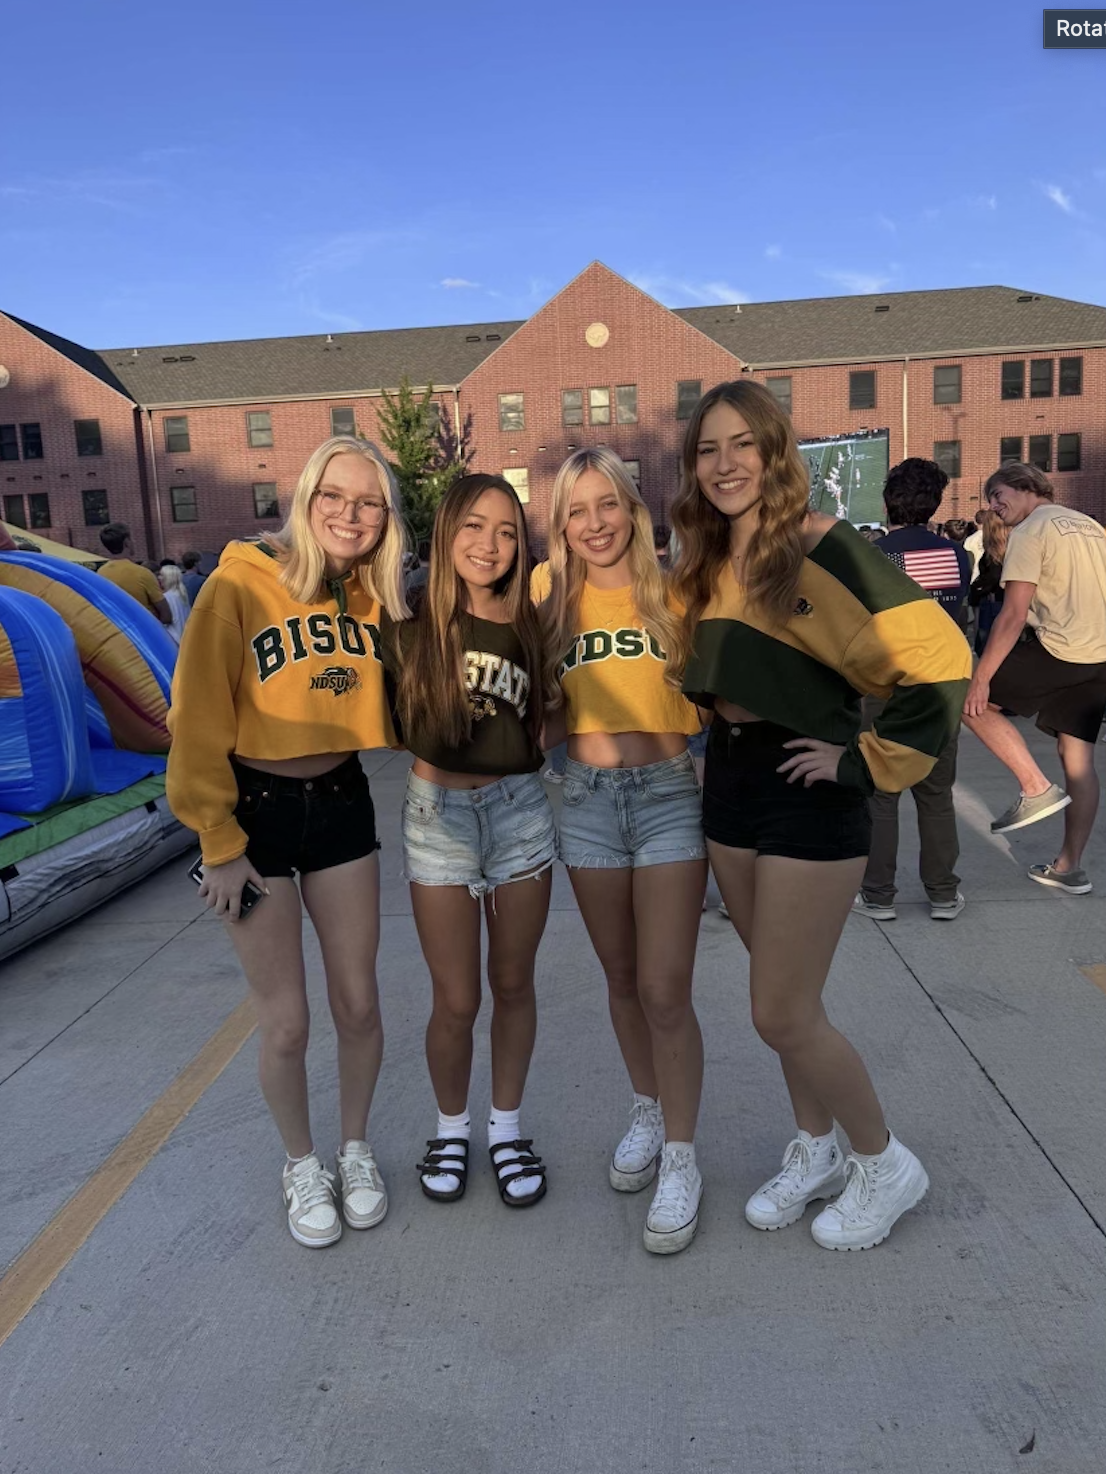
point(477, 837)
point(627, 818)
point(305, 824)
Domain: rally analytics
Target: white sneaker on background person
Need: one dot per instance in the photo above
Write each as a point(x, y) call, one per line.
point(878, 1191)
point(813, 1168)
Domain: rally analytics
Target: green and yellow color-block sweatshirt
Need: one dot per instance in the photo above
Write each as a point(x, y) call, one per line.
point(860, 627)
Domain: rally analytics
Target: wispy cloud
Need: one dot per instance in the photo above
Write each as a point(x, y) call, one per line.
point(342, 251)
point(886, 223)
point(328, 316)
point(856, 282)
point(455, 282)
point(987, 201)
point(170, 151)
point(677, 291)
point(1061, 200)
point(773, 253)
point(113, 190)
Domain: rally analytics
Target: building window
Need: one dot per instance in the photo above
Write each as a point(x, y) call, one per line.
point(1040, 378)
point(947, 455)
point(184, 503)
point(95, 508)
point(519, 477)
point(433, 414)
point(1013, 380)
point(14, 511)
point(862, 389)
point(9, 445)
point(572, 406)
point(780, 390)
point(1067, 452)
point(1040, 452)
point(342, 422)
point(1009, 449)
point(599, 406)
point(265, 503)
point(89, 442)
point(634, 468)
point(259, 429)
point(946, 384)
point(688, 394)
point(31, 436)
point(512, 412)
point(40, 510)
point(176, 434)
point(1071, 376)
point(625, 404)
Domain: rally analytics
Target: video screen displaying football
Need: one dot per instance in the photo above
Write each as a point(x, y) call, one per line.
point(847, 474)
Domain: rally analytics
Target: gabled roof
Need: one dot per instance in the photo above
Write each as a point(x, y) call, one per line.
point(325, 364)
point(86, 358)
point(943, 323)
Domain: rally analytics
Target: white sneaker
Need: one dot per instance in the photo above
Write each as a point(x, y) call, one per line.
point(634, 1164)
point(364, 1197)
point(877, 1193)
point(552, 776)
point(800, 1181)
point(674, 1211)
point(309, 1197)
point(877, 910)
point(946, 910)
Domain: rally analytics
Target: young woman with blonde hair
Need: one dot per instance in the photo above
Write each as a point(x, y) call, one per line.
point(279, 684)
point(478, 833)
point(792, 617)
point(171, 580)
point(631, 823)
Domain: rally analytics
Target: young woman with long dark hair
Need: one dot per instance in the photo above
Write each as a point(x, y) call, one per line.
point(478, 832)
point(792, 616)
point(631, 832)
point(278, 686)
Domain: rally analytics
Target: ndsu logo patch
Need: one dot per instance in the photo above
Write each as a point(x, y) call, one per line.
point(338, 679)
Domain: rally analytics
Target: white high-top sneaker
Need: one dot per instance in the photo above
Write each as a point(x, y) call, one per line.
point(674, 1211)
point(634, 1164)
point(877, 1193)
point(803, 1178)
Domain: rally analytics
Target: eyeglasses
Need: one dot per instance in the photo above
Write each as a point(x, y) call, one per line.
point(364, 509)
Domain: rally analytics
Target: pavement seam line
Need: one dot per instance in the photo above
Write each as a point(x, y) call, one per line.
point(996, 1087)
point(32, 1273)
point(97, 1001)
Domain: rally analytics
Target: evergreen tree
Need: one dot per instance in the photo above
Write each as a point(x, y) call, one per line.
point(426, 452)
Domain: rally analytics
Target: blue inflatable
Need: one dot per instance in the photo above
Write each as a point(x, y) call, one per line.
point(45, 756)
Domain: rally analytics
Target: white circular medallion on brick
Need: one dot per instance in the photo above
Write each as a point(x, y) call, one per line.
point(597, 334)
point(5, 377)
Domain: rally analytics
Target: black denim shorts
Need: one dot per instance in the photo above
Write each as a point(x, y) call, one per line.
point(306, 824)
point(1064, 697)
point(748, 805)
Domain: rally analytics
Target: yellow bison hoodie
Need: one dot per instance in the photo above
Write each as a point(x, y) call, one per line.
point(266, 677)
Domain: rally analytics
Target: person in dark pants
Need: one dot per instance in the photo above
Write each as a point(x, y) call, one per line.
point(912, 495)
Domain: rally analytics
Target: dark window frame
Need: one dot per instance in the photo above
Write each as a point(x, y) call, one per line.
point(524, 492)
point(102, 515)
point(14, 502)
point(9, 443)
point(598, 412)
point(274, 499)
point(1005, 457)
point(572, 415)
point(343, 409)
point(1040, 378)
point(1069, 457)
point(1071, 373)
point(685, 400)
point(173, 438)
point(783, 397)
point(38, 510)
point(512, 416)
point(948, 454)
point(858, 391)
point(30, 441)
point(1043, 462)
point(625, 404)
point(176, 508)
point(89, 442)
point(952, 391)
point(1012, 379)
point(256, 434)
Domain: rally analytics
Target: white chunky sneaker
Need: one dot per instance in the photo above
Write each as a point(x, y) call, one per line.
point(674, 1211)
point(877, 1193)
point(634, 1164)
point(364, 1197)
point(309, 1197)
point(802, 1178)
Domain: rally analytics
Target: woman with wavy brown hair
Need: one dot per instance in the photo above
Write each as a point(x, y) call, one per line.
point(792, 616)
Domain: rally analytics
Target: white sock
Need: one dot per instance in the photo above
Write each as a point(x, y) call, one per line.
point(295, 1161)
point(504, 1126)
point(457, 1128)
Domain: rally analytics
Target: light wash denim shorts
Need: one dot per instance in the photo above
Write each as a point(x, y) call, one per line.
point(477, 837)
point(627, 818)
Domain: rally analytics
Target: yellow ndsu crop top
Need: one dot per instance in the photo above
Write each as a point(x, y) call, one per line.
point(613, 676)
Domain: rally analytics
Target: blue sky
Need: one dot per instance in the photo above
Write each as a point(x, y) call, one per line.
point(237, 169)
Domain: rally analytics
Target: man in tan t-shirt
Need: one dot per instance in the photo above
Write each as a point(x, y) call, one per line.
point(131, 577)
point(1046, 657)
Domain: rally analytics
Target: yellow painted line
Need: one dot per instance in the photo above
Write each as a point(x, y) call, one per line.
point(36, 1269)
point(1097, 974)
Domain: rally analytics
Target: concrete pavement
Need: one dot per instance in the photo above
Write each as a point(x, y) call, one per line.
point(191, 1333)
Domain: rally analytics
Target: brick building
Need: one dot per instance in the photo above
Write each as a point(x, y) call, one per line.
point(195, 444)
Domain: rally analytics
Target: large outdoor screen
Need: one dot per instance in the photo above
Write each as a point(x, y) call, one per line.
point(847, 475)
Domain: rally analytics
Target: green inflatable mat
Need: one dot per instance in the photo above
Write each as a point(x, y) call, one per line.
point(66, 821)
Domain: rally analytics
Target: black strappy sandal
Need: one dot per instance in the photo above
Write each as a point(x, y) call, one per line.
point(526, 1164)
point(437, 1163)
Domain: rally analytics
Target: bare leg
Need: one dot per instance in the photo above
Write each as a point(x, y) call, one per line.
point(516, 915)
point(269, 944)
point(606, 902)
point(735, 872)
point(1002, 738)
point(1081, 782)
point(448, 922)
point(344, 905)
point(668, 905)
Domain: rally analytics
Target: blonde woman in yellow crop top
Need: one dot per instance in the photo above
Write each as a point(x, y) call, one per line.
point(279, 684)
point(631, 830)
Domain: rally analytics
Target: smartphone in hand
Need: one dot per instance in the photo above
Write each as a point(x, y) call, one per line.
point(250, 893)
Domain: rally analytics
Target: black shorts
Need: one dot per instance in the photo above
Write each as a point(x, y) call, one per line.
point(1063, 696)
point(747, 805)
point(305, 824)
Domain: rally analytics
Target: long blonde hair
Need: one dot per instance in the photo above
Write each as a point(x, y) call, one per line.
point(775, 556)
point(568, 573)
point(995, 532)
point(303, 563)
point(432, 692)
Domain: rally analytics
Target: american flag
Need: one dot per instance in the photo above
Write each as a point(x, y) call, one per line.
point(935, 569)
